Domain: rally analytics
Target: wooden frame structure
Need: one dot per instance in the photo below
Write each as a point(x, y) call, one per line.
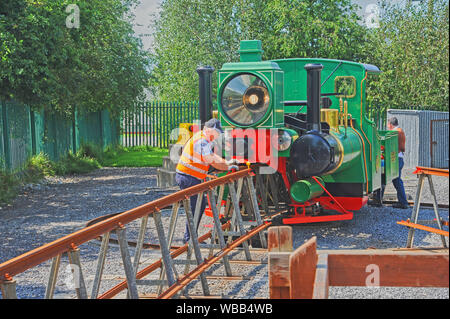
point(307, 273)
point(412, 224)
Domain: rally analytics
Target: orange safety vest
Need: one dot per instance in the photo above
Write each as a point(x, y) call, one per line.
point(192, 163)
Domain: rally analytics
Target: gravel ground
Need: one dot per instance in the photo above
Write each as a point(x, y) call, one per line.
point(60, 206)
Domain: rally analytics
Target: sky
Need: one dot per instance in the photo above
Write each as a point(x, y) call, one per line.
point(143, 19)
point(146, 8)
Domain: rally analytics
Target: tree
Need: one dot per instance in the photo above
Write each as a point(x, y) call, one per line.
point(194, 32)
point(48, 62)
point(322, 29)
point(411, 47)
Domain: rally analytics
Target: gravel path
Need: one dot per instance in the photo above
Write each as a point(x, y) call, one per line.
point(60, 206)
point(410, 180)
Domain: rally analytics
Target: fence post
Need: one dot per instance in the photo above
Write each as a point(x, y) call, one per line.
point(151, 123)
point(302, 267)
point(280, 248)
point(6, 148)
point(8, 289)
point(32, 131)
point(100, 120)
point(74, 132)
point(322, 280)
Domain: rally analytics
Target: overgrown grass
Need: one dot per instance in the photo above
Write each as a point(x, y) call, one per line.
point(88, 150)
point(137, 156)
point(76, 164)
point(9, 187)
point(40, 165)
point(37, 167)
point(33, 171)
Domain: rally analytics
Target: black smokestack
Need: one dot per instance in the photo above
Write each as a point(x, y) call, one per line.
point(313, 71)
point(205, 93)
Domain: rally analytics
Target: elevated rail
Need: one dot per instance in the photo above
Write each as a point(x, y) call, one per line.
point(224, 237)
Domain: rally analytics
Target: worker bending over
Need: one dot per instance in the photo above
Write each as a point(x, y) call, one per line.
point(195, 161)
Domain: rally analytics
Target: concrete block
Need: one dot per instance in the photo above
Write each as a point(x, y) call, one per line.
point(176, 149)
point(165, 178)
point(168, 164)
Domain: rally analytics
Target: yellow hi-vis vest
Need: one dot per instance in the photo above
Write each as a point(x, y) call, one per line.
point(192, 163)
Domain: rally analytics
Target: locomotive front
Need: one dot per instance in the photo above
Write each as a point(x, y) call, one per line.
point(312, 150)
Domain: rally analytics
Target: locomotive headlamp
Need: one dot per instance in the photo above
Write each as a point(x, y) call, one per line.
point(284, 140)
point(245, 99)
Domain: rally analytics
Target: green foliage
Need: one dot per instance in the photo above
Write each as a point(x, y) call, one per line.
point(76, 164)
point(322, 29)
point(411, 47)
point(37, 167)
point(44, 64)
point(90, 150)
point(8, 187)
point(190, 33)
point(137, 156)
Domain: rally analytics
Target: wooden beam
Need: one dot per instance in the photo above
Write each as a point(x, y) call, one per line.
point(302, 265)
point(280, 247)
point(8, 289)
point(279, 239)
point(279, 275)
point(395, 268)
point(321, 282)
point(307, 273)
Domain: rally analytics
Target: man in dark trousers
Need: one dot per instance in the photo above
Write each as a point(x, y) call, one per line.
point(195, 160)
point(398, 183)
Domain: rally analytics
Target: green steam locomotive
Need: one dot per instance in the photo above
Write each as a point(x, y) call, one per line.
point(304, 123)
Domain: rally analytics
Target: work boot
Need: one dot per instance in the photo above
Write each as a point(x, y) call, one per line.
point(400, 205)
point(375, 203)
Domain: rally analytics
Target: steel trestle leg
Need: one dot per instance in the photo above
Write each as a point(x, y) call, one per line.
point(100, 265)
point(52, 277)
point(415, 210)
point(435, 208)
point(80, 287)
point(219, 231)
point(255, 208)
point(238, 218)
point(193, 241)
point(129, 272)
point(165, 251)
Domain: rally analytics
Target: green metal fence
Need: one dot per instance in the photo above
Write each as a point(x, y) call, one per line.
point(151, 123)
point(24, 133)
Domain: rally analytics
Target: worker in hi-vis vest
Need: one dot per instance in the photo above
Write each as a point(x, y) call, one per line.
point(195, 160)
point(402, 203)
point(398, 183)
